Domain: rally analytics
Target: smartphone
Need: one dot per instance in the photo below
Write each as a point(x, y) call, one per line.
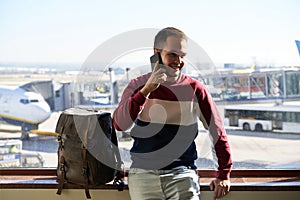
point(153, 59)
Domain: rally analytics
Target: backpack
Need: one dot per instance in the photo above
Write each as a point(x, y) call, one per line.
point(88, 152)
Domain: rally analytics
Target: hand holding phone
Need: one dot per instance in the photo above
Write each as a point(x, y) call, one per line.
point(156, 78)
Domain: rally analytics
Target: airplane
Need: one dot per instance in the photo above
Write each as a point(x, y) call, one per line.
point(22, 108)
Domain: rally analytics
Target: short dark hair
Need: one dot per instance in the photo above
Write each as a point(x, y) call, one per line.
point(163, 34)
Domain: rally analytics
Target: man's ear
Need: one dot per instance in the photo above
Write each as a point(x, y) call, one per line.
point(155, 51)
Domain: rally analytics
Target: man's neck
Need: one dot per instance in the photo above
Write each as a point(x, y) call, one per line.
point(173, 79)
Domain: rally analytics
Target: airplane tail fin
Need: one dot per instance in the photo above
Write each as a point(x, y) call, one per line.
point(298, 46)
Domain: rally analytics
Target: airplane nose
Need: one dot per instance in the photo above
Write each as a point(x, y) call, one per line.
point(45, 111)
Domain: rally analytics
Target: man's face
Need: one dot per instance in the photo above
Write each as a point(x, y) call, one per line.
point(172, 54)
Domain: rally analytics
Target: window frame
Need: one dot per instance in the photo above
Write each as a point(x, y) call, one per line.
point(241, 180)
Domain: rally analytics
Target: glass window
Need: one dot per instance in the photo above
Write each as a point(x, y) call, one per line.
point(248, 64)
point(34, 100)
point(24, 101)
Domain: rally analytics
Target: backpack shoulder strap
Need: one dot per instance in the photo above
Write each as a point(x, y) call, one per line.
point(84, 161)
point(120, 165)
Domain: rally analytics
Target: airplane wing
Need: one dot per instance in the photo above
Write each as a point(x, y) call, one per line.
point(44, 133)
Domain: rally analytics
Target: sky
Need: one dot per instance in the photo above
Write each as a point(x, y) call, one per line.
point(232, 31)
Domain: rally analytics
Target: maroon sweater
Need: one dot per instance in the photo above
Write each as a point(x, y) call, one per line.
point(166, 124)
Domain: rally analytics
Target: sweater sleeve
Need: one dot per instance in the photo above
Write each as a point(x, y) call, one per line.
point(212, 120)
point(131, 104)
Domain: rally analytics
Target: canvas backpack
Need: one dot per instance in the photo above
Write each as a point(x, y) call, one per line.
point(88, 152)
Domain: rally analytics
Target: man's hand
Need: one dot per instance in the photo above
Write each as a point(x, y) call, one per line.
point(220, 187)
point(157, 77)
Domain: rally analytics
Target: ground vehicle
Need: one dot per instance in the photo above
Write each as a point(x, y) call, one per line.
point(264, 117)
point(32, 160)
point(10, 153)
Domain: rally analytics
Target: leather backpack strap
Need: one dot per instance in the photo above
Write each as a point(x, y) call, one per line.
point(84, 161)
point(61, 163)
point(85, 172)
point(61, 178)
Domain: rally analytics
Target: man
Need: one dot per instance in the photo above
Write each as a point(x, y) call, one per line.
point(164, 106)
